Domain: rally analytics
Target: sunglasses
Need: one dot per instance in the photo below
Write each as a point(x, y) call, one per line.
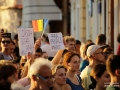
point(7, 41)
point(44, 78)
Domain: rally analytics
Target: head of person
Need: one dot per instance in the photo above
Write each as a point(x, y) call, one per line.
point(88, 41)
point(44, 39)
point(78, 44)
point(108, 51)
point(6, 40)
point(70, 43)
point(84, 50)
point(95, 54)
point(15, 53)
point(8, 73)
point(99, 77)
point(38, 53)
point(44, 55)
point(71, 61)
point(40, 72)
point(101, 39)
point(11, 47)
point(113, 66)
point(59, 73)
point(16, 64)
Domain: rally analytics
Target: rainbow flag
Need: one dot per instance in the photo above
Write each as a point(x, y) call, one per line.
point(39, 25)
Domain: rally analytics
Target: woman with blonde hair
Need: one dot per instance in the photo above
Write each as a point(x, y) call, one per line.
point(59, 73)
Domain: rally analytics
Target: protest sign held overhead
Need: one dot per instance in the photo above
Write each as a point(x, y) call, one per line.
point(56, 41)
point(26, 40)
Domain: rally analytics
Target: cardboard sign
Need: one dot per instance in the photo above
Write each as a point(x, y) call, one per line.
point(26, 40)
point(56, 41)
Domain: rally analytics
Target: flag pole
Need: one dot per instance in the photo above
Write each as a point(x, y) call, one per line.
point(42, 34)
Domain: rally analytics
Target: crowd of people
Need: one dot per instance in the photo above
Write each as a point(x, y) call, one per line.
point(80, 66)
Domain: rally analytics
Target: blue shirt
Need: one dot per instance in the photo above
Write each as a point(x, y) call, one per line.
point(73, 86)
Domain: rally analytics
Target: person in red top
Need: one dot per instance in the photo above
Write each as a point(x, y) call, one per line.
point(118, 39)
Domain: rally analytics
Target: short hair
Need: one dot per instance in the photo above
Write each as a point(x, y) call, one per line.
point(108, 50)
point(69, 38)
point(97, 71)
point(67, 58)
point(113, 63)
point(6, 71)
point(39, 62)
point(39, 50)
point(78, 42)
point(16, 51)
point(13, 43)
point(45, 36)
point(88, 41)
point(16, 37)
point(101, 38)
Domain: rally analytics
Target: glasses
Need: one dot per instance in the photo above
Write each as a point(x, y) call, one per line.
point(44, 78)
point(100, 53)
point(7, 41)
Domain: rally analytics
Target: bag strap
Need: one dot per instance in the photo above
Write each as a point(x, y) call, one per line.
point(79, 79)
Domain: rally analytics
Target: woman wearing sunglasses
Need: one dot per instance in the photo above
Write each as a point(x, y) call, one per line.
point(59, 73)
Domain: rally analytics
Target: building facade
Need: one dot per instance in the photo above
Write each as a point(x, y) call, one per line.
point(92, 17)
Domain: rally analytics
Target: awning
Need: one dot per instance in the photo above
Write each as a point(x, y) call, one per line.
point(39, 9)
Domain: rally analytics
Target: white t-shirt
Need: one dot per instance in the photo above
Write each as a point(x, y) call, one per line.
point(47, 49)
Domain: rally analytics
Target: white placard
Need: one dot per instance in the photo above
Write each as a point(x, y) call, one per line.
point(26, 40)
point(56, 41)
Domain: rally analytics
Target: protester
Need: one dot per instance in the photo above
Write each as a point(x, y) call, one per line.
point(40, 75)
point(11, 49)
point(38, 53)
point(85, 61)
point(59, 73)
point(107, 52)
point(101, 40)
point(113, 68)
point(95, 56)
point(44, 55)
point(99, 77)
point(15, 40)
point(118, 40)
point(77, 46)
point(72, 62)
point(88, 41)
point(8, 74)
point(69, 46)
point(5, 45)
point(47, 48)
point(15, 54)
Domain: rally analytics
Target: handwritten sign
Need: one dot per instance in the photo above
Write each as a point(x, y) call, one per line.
point(56, 41)
point(26, 40)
